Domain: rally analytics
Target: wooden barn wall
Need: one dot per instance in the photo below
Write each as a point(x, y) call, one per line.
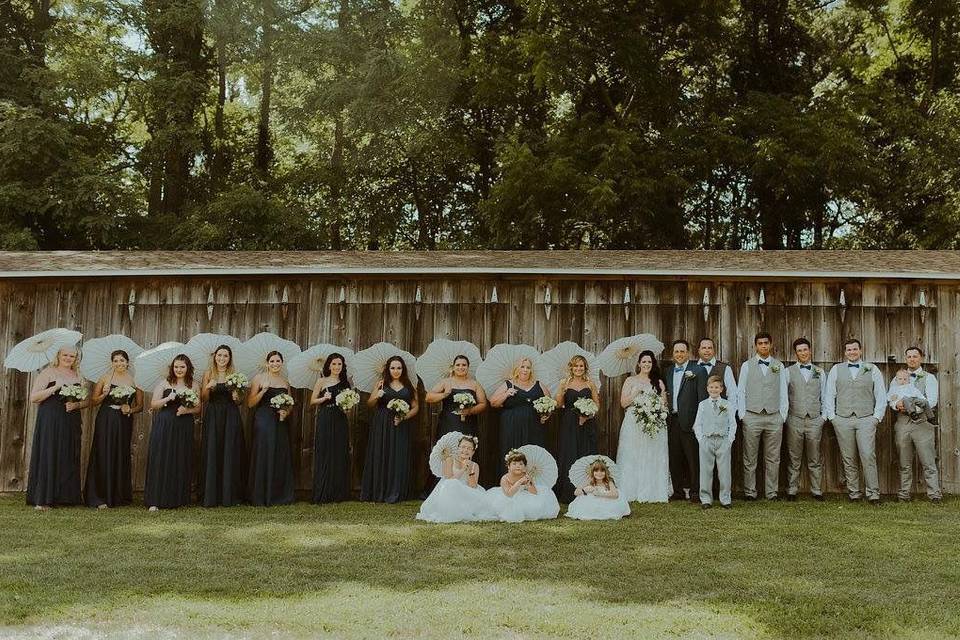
point(885, 315)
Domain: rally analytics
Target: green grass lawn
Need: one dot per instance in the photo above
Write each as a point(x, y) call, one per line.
point(359, 570)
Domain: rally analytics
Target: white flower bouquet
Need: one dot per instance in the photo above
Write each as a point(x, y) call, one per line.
point(399, 407)
point(545, 405)
point(281, 401)
point(74, 392)
point(347, 399)
point(237, 381)
point(650, 413)
point(586, 406)
point(188, 398)
point(122, 394)
point(464, 401)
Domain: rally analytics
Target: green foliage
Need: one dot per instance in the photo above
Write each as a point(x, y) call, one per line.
point(479, 123)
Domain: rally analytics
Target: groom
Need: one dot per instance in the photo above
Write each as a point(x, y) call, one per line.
point(686, 386)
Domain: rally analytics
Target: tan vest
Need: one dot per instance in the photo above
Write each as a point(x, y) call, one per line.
point(715, 423)
point(804, 396)
point(854, 395)
point(762, 391)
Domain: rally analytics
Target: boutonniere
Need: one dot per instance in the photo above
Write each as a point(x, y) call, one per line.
point(775, 368)
point(817, 372)
point(689, 374)
point(867, 367)
point(920, 374)
point(722, 407)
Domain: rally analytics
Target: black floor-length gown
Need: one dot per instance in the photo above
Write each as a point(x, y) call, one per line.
point(576, 440)
point(331, 450)
point(387, 474)
point(519, 421)
point(170, 458)
point(108, 470)
point(271, 465)
point(55, 455)
point(223, 456)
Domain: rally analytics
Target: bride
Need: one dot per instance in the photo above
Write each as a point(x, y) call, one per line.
point(643, 460)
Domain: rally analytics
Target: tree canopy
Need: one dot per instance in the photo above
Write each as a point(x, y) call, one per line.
point(378, 124)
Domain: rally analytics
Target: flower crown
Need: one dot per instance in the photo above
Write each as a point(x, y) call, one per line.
point(474, 439)
point(511, 453)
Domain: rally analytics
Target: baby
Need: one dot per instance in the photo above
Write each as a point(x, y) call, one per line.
point(902, 390)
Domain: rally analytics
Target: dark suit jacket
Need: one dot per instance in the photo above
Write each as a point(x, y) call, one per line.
point(692, 391)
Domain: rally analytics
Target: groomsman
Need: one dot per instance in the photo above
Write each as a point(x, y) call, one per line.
point(805, 418)
point(686, 386)
point(708, 360)
point(855, 401)
point(762, 404)
point(918, 434)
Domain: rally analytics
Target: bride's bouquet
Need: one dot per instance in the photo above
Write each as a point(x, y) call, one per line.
point(464, 401)
point(347, 399)
point(586, 406)
point(650, 413)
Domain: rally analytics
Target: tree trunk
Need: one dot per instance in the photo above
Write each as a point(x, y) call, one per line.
point(264, 152)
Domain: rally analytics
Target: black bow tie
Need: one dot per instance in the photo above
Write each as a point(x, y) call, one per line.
point(855, 366)
point(913, 375)
point(706, 364)
point(766, 362)
point(806, 366)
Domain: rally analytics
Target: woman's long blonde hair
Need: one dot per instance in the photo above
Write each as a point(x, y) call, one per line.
point(586, 368)
point(76, 361)
point(212, 368)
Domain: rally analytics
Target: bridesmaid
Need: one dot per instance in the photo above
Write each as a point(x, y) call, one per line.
point(520, 423)
point(224, 453)
point(271, 466)
point(170, 457)
point(108, 471)
point(331, 436)
point(578, 433)
point(387, 471)
point(452, 418)
point(55, 456)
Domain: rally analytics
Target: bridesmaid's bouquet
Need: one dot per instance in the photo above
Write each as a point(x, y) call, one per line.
point(545, 405)
point(650, 413)
point(188, 398)
point(73, 392)
point(464, 401)
point(122, 394)
point(399, 407)
point(237, 381)
point(586, 406)
point(282, 401)
point(347, 399)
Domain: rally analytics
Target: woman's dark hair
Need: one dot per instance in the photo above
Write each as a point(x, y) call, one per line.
point(273, 353)
point(119, 352)
point(404, 376)
point(655, 377)
point(462, 357)
point(188, 378)
point(343, 371)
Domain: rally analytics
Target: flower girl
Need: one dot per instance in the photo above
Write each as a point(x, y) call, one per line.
point(518, 498)
point(457, 497)
point(598, 498)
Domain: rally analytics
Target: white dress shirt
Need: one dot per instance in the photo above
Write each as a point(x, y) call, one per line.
point(931, 385)
point(728, 381)
point(879, 390)
point(707, 405)
point(764, 370)
point(678, 372)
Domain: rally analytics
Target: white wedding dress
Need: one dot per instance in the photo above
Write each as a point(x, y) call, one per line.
point(643, 463)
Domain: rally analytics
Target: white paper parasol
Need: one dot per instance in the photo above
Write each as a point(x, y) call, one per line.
point(368, 365)
point(541, 466)
point(447, 447)
point(200, 350)
point(96, 355)
point(552, 367)
point(579, 471)
point(40, 350)
point(500, 361)
point(304, 368)
point(253, 353)
point(435, 363)
point(152, 365)
point(621, 355)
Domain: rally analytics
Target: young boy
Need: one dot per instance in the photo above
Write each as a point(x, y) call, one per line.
point(715, 428)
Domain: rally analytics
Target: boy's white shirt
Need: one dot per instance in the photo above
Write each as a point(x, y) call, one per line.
point(707, 405)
